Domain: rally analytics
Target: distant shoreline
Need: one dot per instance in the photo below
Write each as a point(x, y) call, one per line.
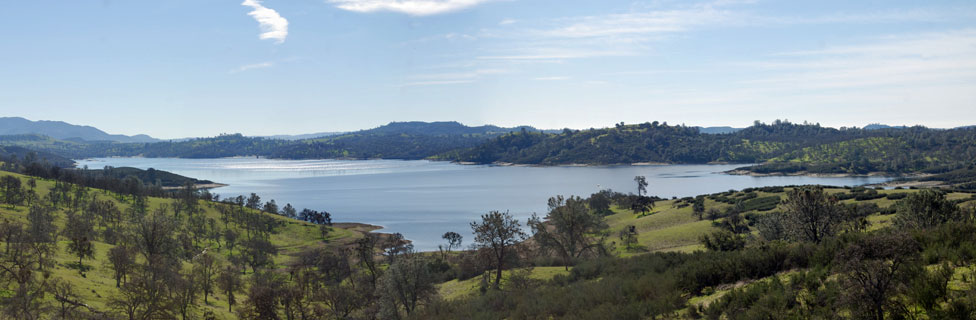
point(740, 172)
point(200, 186)
point(636, 164)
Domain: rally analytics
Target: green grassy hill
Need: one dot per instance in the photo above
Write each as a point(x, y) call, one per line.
point(96, 285)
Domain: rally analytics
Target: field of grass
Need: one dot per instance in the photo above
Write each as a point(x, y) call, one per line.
point(671, 228)
point(455, 289)
point(96, 285)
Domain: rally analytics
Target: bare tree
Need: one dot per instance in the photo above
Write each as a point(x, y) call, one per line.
point(121, 259)
point(453, 240)
point(875, 269)
point(229, 282)
point(205, 266)
point(407, 283)
point(497, 232)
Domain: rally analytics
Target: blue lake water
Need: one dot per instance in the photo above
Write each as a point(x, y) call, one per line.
point(424, 199)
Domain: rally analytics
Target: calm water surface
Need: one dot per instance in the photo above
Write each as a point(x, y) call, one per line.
point(424, 199)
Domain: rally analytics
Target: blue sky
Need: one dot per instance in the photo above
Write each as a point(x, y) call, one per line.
point(180, 68)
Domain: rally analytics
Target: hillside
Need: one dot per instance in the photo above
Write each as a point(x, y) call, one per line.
point(89, 287)
point(672, 256)
point(668, 272)
point(13, 154)
point(64, 131)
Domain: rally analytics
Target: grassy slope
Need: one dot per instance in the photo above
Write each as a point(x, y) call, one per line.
point(676, 229)
point(97, 285)
point(669, 228)
point(455, 289)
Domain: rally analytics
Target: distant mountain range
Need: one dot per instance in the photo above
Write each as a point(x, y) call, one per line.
point(438, 128)
point(64, 131)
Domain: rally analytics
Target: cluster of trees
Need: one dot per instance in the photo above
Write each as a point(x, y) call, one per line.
point(122, 181)
point(163, 257)
point(787, 146)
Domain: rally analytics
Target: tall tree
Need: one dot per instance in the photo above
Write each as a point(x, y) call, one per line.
point(289, 211)
point(497, 233)
point(600, 203)
point(406, 284)
point(641, 185)
point(698, 207)
point(259, 252)
point(42, 234)
point(206, 267)
point(811, 214)
point(569, 229)
point(874, 270)
point(229, 282)
point(80, 233)
point(253, 202)
point(13, 193)
point(270, 207)
point(121, 259)
point(925, 209)
point(453, 240)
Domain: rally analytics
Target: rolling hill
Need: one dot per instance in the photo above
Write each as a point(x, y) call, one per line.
point(63, 130)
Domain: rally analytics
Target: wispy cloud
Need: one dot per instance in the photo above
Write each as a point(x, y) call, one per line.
point(436, 82)
point(553, 78)
point(428, 79)
point(273, 25)
point(638, 32)
point(506, 22)
point(252, 66)
point(905, 78)
point(608, 35)
point(903, 60)
point(411, 7)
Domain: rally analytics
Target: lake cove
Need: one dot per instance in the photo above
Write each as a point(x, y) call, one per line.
point(424, 199)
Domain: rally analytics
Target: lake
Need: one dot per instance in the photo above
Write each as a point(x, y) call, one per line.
point(424, 199)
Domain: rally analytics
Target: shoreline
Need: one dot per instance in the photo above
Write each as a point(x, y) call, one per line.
point(740, 172)
point(208, 186)
point(587, 165)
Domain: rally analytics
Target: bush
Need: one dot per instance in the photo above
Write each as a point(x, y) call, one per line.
point(762, 204)
point(896, 196)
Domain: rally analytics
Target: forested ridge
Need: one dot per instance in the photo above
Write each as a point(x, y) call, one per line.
point(397, 140)
point(778, 148)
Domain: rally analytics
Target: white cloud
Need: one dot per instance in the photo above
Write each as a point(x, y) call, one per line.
point(411, 7)
point(252, 66)
point(273, 25)
point(506, 22)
